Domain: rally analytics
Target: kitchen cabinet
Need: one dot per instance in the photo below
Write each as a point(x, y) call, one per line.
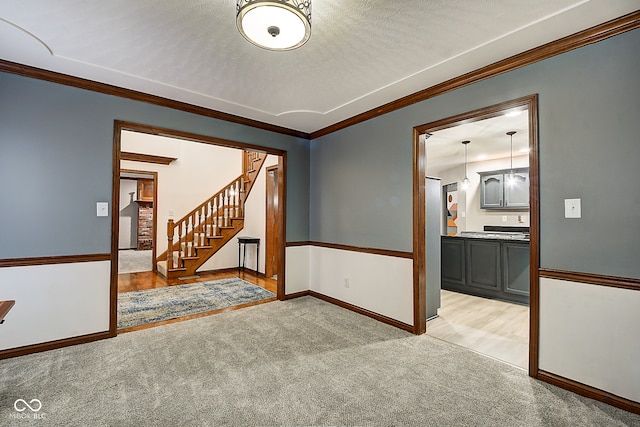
point(491, 191)
point(145, 190)
point(453, 262)
point(515, 259)
point(497, 193)
point(484, 264)
point(491, 268)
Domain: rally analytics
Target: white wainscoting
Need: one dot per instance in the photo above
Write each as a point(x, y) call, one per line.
point(297, 269)
point(379, 283)
point(54, 302)
point(591, 334)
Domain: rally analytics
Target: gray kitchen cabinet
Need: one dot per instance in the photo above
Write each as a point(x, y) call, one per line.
point(453, 262)
point(516, 195)
point(484, 264)
point(491, 191)
point(515, 258)
point(496, 193)
point(490, 268)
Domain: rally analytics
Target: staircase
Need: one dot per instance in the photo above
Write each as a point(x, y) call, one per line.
point(197, 236)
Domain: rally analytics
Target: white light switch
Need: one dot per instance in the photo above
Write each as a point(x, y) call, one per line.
point(102, 208)
point(572, 208)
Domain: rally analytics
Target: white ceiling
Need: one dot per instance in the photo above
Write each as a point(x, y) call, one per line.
point(489, 141)
point(362, 53)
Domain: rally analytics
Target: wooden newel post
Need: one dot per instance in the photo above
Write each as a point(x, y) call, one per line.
point(169, 245)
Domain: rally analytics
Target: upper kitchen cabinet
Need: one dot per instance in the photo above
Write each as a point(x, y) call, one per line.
point(491, 191)
point(497, 193)
point(516, 195)
point(145, 190)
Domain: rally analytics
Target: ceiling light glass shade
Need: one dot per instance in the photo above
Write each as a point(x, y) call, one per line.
point(274, 24)
point(466, 183)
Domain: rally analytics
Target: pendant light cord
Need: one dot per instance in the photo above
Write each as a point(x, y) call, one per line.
point(511, 133)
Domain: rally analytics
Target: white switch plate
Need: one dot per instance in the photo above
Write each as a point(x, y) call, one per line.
point(504, 218)
point(572, 208)
point(102, 209)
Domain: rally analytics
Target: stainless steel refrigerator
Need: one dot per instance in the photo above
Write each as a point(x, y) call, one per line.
point(433, 192)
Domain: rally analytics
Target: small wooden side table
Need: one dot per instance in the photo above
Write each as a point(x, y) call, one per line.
point(244, 240)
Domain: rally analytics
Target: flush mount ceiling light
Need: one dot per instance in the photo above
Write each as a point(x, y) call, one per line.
point(465, 181)
point(274, 24)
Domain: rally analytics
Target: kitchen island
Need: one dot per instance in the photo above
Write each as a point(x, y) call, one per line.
point(487, 264)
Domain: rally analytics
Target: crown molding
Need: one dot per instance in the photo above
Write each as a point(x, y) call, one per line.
point(67, 80)
point(586, 37)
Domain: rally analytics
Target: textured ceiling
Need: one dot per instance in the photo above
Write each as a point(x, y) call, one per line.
point(362, 53)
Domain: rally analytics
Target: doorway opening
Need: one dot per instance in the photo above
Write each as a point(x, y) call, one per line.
point(137, 220)
point(272, 225)
point(479, 227)
point(206, 193)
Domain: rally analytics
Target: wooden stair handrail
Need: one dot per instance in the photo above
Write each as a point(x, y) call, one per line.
point(247, 155)
point(226, 205)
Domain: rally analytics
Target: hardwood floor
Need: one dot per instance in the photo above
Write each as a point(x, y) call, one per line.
point(129, 282)
point(494, 328)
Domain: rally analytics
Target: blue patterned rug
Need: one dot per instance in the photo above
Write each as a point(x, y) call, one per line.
point(154, 305)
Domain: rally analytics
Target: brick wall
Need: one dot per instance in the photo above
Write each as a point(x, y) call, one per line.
point(145, 225)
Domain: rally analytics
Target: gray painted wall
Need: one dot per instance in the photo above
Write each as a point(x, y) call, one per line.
point(55, 164)
point(589, 105)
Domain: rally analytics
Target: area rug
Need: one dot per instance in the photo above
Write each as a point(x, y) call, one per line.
point(155, 305)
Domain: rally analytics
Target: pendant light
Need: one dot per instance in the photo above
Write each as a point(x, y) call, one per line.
point(274, 24)
point(511, 180)
point(465, 182)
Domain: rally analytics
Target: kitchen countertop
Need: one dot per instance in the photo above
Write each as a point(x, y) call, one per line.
point(496, 235)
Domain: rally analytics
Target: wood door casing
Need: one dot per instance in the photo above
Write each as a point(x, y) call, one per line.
point(271, 234)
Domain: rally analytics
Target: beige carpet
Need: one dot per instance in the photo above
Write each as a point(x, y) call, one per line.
point(134, 261)
point(302, 362)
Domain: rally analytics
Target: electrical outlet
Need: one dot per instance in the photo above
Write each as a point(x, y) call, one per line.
point(346, 282)
point(504, 218)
